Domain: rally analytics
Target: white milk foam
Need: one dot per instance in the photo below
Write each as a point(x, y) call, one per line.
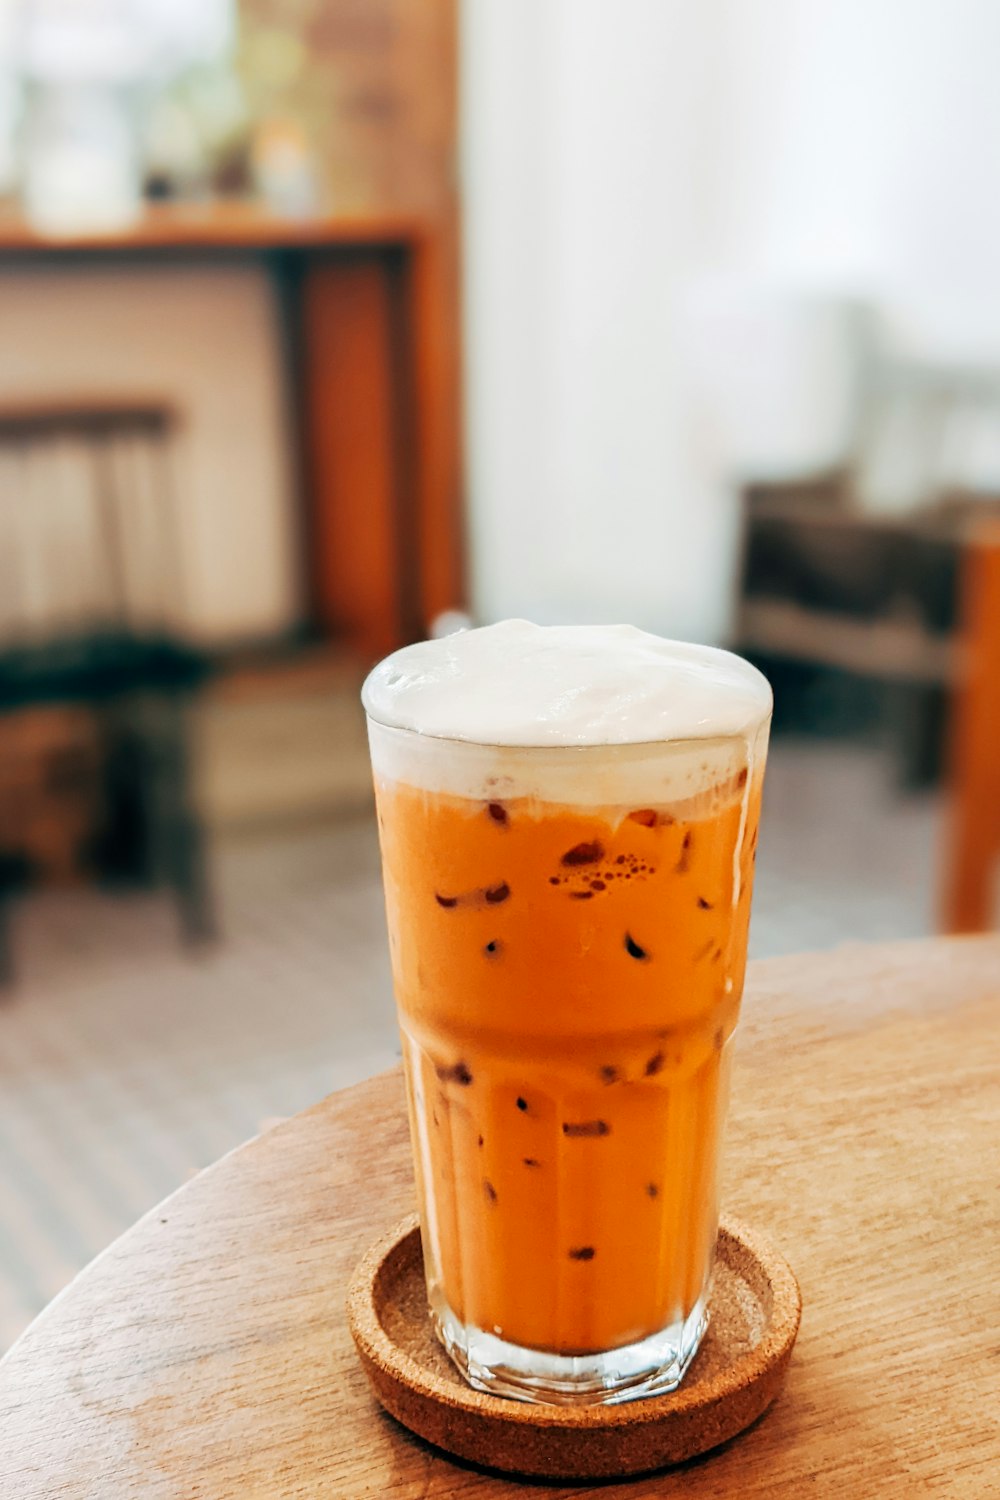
point(589, 715)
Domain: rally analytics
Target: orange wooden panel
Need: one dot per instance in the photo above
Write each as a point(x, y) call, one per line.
point(350, 440)
point(437, 369)
point(973, 849)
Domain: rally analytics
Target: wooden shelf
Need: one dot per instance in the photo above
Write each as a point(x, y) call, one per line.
point(224, 224)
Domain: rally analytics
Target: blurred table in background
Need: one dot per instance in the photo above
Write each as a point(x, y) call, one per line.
point(371, 346)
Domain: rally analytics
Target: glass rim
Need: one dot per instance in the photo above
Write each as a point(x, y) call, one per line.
point(747, 732)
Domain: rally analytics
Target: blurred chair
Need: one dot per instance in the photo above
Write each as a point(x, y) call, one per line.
point(972, 856)
point(90, 584)
point(863, 604)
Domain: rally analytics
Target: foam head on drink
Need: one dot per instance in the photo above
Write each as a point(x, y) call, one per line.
point(568, 819)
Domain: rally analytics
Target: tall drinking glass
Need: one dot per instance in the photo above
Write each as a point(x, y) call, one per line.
point(568, 930)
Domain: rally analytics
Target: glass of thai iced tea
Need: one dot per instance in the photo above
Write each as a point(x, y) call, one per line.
point(568, 822)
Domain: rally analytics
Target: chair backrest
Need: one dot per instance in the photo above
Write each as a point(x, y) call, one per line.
point(972, 853)
point(87, 521)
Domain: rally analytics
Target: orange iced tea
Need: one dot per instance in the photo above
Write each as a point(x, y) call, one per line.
point(568, 929)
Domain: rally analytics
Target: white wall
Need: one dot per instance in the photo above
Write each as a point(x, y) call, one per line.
point(585, 198)
point(862, 150)
point(204, 340)
point(613, 156)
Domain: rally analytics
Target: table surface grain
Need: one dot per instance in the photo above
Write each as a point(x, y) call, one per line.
point(206, 1355)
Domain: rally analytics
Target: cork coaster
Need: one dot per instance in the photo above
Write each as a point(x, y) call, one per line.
point(736, 1374)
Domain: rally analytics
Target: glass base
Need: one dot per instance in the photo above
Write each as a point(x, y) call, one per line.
point(651, 1367)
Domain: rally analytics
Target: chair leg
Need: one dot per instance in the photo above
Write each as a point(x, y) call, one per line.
point(179, 853)
point(187, 872)
point(6, 952)
point(189, 877)
point(918, 712)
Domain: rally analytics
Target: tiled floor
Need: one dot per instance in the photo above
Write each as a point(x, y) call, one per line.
point(126, 1064)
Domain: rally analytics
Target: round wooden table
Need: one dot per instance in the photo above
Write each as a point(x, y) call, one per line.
point(205, 1354)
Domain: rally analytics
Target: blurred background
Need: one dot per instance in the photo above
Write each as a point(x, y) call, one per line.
point(330, 323)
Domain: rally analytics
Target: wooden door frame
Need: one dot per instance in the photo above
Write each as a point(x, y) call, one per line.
point(380, 431)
